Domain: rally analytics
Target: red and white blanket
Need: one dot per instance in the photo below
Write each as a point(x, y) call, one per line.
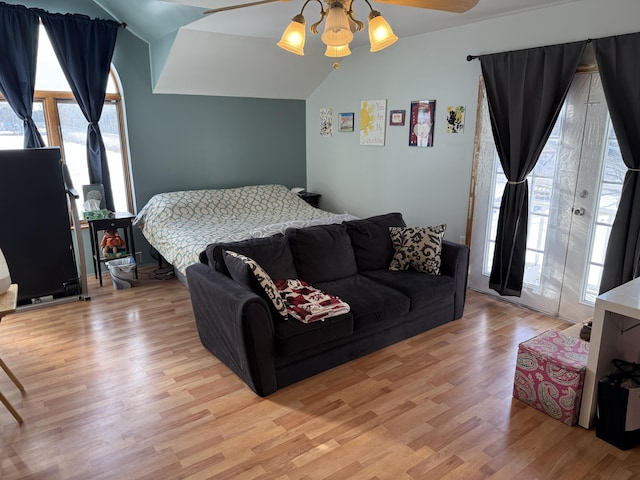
point(307, 303)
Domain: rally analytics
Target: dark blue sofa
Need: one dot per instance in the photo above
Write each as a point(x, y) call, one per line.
point(350, 260)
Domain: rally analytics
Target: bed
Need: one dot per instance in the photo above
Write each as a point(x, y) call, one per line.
point(180, 225)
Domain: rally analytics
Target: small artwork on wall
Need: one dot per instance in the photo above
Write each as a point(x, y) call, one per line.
point(345, 122)
point(396, 117)
point(421, 123)
point(373, 116)
point(326, 122)
point(455, 119)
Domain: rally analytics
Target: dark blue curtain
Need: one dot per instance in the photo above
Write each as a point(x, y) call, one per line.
point(619, 69)
point(525, 93)
point(18, 53)
point(84, 48)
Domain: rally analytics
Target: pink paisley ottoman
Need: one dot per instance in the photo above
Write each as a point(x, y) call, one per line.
point(550, 374)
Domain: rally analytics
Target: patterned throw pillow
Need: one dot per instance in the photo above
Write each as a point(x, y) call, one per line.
point(264, 280)
point(417, 247)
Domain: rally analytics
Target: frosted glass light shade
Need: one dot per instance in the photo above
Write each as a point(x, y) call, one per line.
point(335, 52)
point(337, 30)
point(294, 36)
point(5, 278)
point(380, 33)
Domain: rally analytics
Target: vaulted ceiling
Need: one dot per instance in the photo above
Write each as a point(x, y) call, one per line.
point(234, 53)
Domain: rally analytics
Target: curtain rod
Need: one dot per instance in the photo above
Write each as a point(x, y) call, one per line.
point(473, 57)
point(41, 11)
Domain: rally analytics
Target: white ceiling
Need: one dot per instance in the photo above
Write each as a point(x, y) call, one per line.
point(234, 53)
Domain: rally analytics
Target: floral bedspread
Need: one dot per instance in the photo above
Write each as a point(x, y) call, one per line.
point(180, 225)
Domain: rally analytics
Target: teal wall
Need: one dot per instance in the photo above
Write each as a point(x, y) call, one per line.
point(180, 142)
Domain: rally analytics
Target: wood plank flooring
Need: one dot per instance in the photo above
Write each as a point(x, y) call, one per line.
point(120, 387)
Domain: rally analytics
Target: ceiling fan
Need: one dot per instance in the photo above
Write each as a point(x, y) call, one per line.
point(455, 6)
point(341, 24)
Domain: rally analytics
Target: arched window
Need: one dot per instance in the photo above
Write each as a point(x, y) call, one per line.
point(61, 123)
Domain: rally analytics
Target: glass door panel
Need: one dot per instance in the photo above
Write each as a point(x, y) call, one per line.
point(573, 194)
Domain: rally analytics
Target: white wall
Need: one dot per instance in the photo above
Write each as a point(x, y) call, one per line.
point(430, 185)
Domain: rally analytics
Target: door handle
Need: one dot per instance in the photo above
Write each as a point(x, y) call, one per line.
point(579, 212)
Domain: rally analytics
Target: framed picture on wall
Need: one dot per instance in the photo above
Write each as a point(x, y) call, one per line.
point(345, 121)
point(396, 117)
point(421, 123)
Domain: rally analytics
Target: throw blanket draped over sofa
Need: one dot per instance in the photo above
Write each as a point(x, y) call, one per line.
point(388, 283)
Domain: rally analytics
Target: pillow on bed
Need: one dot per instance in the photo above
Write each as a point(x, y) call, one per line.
point(246, 271)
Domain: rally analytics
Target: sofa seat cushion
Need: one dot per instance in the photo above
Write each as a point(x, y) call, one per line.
point(294, 337)
point(371, 303)
point(322, 252)
point(423, 290)
point(371, 240)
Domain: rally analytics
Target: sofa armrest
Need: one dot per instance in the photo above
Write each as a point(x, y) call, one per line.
point(235, 325)
point(455, 263)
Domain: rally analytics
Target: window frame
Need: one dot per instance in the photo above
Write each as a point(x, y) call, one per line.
point(50, 99)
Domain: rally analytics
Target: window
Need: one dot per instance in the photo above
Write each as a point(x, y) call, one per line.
point(61, 123)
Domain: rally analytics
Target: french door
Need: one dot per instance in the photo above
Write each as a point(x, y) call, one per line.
point(574, 192)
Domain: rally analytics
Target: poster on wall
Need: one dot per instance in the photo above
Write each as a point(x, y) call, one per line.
point(421, 123)
point(373, 115)
point(455, 119)
point(326, 122)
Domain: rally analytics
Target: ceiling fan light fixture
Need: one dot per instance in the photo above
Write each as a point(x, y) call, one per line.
point(341, 24)
point(337, 51)
point(380, 34)
point(294, 36)
point(337, 30)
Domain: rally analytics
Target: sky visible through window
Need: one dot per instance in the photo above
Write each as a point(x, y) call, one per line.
point(49, 75)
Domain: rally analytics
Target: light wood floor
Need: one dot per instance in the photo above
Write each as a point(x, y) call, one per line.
point(120, 387)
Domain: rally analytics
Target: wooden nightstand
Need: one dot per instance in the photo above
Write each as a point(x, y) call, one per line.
point(311, 198)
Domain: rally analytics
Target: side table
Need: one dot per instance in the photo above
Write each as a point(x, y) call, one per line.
point(8, 305)
point(614, 334)
point(311, 198)
point(119, 220)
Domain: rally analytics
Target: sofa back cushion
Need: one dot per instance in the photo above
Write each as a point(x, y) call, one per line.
point(322, 252)
point(271, 253)
point(371, 240)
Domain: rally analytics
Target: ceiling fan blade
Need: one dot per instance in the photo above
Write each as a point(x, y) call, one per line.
point(455, 6)
point(241, 5)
